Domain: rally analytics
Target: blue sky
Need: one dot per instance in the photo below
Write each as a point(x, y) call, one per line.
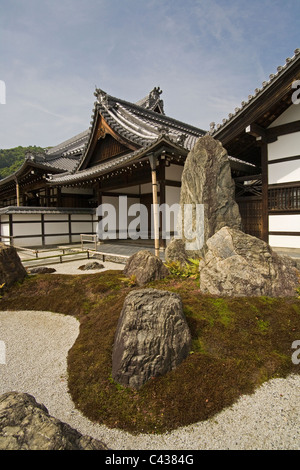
point(206, 55)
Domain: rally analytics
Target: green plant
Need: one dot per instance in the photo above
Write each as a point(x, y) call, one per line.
point(129, 281)
point(188, 270)
point(1, 287)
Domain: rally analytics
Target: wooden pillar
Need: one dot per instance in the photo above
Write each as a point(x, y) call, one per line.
point(162, 198)
point(18, 193)
point(265, 197)
point(43, 229)
point(153, 163)
point(11, 229)
point(58, 203)
point(47, 202)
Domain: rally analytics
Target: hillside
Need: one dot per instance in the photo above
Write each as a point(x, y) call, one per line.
point(12, 159)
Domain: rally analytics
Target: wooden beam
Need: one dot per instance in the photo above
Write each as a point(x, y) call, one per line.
point(283, 129)
point(256, 131)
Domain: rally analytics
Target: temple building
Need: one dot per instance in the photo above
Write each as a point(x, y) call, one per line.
point(265, 131)
point(135, 150)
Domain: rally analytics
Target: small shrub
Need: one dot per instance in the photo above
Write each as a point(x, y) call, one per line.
point(129, 281)
point(189, 270)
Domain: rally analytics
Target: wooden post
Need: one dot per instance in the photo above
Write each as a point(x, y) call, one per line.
point(18, 193)
point(153, 162)
point(162, 200)
point(265, 201)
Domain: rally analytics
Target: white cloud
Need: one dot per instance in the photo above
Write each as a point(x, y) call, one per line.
point(207, 56)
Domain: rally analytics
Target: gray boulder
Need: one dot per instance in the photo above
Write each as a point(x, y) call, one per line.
point(237, 264)
point(11, 267)
point(27, 425)
point(41, 270)
point(176, 251)
point(206, 179)
point(91, 265)
point(146, 267)
point(151, 339)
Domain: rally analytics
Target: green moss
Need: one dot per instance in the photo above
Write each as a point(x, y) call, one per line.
point(237, 344)
point(262, 325)
point(223, 313)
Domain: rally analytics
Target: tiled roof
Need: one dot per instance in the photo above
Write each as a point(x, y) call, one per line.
point(43, 210)
point(281, 70)
point(110, 165)
point(138, 123)
point(70, 146)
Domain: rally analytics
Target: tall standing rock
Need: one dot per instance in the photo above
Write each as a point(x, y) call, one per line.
point(206, 179)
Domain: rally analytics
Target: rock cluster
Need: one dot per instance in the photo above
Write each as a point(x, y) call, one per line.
point(151, 339)
point(91, 265)
point(27, 425)
point(41, 270)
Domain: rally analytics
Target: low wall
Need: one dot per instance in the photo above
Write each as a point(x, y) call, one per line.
point(43, 226)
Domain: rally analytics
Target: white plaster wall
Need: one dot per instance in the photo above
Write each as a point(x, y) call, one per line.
point(4, 232)
point(29, 242)
point(174, 172)
point(25, 217)
point(285, 146)
point(84, 217)
point(284, 172)
point(146, 188)
point(285, 222)
point(289, 115)
point(54, 224)
point(172, 197)
point(56, 227)
point(27, 229)
point(120, 213)
point(284, 241)
point(57, 240)
point(81, 227)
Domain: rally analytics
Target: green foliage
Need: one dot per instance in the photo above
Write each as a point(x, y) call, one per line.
point(129, 281)
point(12, 159)
point(189, 270)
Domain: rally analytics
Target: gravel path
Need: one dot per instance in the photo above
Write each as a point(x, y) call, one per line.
point(37, 344)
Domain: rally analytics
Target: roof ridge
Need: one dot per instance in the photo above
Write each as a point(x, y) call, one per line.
point(281, 69)
point(105, 98)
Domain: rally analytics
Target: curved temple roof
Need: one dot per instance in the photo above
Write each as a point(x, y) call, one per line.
point(141, 124)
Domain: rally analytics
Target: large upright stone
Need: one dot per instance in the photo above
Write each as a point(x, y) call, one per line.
point(237, 264)
point(11, 267)
point(151, 339)
point(206, 179)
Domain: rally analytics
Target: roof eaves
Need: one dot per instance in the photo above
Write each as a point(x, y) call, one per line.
point(281, 70)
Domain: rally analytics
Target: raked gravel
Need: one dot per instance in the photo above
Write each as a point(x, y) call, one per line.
point(36, 348)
